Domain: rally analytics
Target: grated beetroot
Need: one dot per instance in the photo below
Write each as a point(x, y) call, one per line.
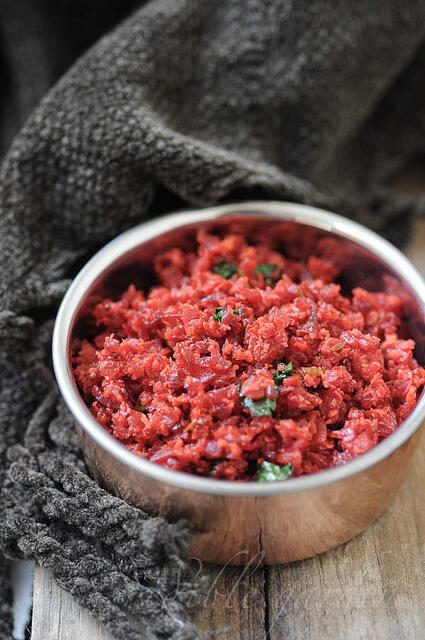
point(242, 356)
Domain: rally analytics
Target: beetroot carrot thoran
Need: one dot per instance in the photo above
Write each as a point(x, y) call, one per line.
point(246, 364)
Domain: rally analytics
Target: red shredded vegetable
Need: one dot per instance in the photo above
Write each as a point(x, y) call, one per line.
point(242, 356)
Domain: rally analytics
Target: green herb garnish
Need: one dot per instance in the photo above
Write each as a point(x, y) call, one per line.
point(281, 374)
point(260, 408)
point(237, 312)
point(213, 469)
point(218, 314)
point(265, 269)
point(225, 269)
point(142, 409)
point(267, 472)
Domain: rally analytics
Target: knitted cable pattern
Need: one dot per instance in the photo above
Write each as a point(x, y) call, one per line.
point(5, 601)
point(117, 561)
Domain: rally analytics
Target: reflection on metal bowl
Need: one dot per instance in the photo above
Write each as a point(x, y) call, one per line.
point(233, 521)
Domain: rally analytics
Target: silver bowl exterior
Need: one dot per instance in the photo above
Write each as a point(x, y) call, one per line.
point(234, 522)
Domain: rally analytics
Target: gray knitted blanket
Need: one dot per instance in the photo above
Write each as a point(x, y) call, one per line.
point(186, 102)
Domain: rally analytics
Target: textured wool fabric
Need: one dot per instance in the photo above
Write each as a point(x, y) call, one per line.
point(5, 601)
point(186, 102)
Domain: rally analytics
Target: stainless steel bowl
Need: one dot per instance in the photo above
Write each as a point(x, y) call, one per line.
point(233, 521)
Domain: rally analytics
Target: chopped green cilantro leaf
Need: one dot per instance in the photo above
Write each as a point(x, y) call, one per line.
point(237, 312)
point(265, 269)
point(285, 371)
point(225, 269)
point(267, 472)
point(142, 409)
point(218, 314)
point(260, 408)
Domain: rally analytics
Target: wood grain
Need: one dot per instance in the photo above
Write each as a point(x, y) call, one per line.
point(372, 587)
point(57, 616)
point(235, 605)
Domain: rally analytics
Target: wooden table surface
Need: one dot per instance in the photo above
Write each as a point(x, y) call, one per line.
point(370, 588)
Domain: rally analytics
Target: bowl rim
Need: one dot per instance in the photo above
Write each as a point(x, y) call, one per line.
point(149, 230)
